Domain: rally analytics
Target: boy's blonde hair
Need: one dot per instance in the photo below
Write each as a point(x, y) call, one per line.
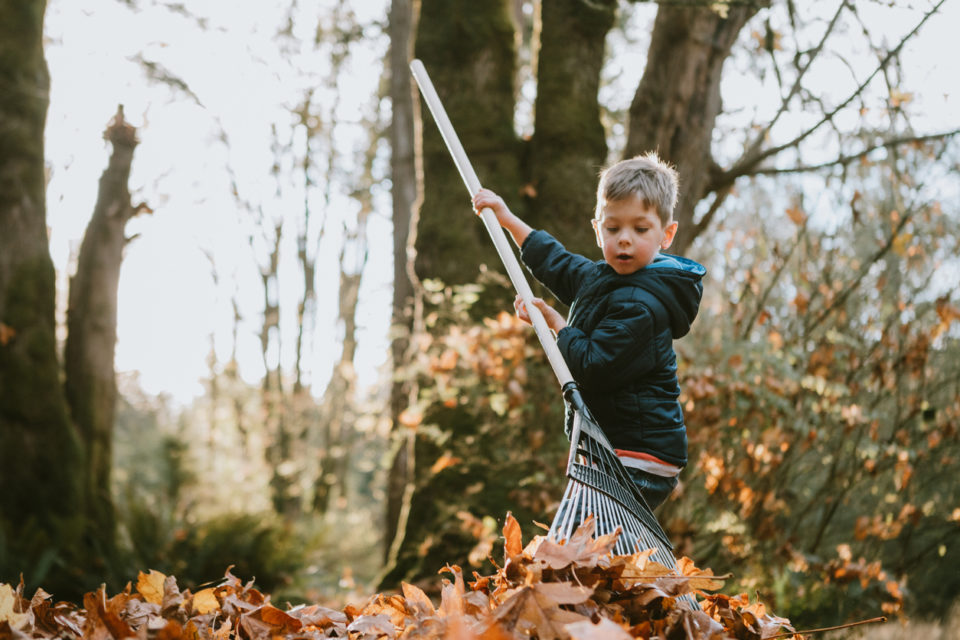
point(646, 176)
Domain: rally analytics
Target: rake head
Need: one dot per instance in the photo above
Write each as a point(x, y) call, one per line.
point(598, 485)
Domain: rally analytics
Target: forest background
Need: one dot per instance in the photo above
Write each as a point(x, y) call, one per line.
point(304, 367)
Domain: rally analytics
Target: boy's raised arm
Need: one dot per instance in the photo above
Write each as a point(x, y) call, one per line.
point(507, 219)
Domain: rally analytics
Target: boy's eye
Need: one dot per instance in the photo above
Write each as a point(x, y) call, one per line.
point(612, 229)
point(642, 229)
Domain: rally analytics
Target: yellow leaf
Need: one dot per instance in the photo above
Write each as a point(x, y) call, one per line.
point(205, 601)
point(901, 242)
point(150, 586)
point(722, 9)
point(898, 97)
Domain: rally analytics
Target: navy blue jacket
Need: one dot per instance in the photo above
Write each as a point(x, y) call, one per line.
point(618, 341)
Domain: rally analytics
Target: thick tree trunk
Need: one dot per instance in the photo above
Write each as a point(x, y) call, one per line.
point(468, 49)
point(407, 301)
point(569, 144)
point(40, 454)
point(678, 99)
point(90, 380)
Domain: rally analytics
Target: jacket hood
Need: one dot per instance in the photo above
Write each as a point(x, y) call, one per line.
point(676, 283)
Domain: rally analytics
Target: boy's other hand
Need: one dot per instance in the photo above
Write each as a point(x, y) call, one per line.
point(553, 318)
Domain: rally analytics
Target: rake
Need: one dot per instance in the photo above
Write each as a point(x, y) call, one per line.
point(598, 484)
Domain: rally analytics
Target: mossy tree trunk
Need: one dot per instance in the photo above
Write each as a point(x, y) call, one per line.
point(40, 453)
point(468, 48)
point(56, 512)
point(89, 376)
point(569, 144)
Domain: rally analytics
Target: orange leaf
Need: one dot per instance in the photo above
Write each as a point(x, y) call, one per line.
point(205, 601)
point(444, 461)
point(150, 586)
point(797, 215)
point(513, 543)
point(410, 417)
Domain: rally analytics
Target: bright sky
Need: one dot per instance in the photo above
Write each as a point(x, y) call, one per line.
point(169, 304)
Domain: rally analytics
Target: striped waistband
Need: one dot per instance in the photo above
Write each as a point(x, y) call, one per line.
point(648, 463)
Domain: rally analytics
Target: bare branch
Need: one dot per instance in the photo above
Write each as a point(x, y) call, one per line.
point(847, 159)
point(748, 164)
point(755, 146)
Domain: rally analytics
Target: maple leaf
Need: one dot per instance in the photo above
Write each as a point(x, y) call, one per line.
point(580, 549)
point(205, 601)
point(150, 586)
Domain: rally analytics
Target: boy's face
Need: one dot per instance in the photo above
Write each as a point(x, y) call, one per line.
point(631, 234)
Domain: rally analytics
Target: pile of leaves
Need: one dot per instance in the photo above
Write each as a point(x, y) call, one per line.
point(546, 590)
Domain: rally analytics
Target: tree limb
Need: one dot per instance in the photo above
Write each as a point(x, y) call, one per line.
point(747, 165)
point(847, 159)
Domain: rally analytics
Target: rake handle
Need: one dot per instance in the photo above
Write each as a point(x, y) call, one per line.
point(496, 232)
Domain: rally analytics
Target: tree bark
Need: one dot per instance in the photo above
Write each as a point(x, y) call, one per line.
point(90, 380)
point(469, 51)
point(407, 301)
point(569, 144)
point(40, 453)
point(676, 104)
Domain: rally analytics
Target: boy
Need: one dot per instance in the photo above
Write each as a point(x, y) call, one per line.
point(625, 312)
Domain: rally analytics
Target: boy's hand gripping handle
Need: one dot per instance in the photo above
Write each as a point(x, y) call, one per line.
point(490, 222)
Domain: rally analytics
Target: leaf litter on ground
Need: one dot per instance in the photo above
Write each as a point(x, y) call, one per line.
point(549, 590)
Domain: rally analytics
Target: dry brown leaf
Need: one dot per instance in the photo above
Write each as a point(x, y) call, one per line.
point(606, 629)
point(513, 542)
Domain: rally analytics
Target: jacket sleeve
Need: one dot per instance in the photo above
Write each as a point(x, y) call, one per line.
point(553, 266)
point(620, 348)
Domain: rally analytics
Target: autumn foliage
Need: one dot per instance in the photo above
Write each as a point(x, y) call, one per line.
point(546, 590)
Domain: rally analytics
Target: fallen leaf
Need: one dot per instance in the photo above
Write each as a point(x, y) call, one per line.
point(205, 601)
point(150, 586)
point(606, 629)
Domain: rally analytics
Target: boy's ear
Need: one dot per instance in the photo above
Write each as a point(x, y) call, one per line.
point(669, 232)
point(596, 231)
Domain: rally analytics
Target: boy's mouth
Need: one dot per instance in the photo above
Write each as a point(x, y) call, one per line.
point(623, 257)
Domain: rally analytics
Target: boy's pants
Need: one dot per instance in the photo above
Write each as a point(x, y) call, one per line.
point(655, 489)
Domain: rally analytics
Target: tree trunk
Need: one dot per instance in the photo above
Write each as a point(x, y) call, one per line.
point(40, 453)
point(676, 104)
point(90, 380)
point(407, 300)
point(468, 49)
point(569, 144)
